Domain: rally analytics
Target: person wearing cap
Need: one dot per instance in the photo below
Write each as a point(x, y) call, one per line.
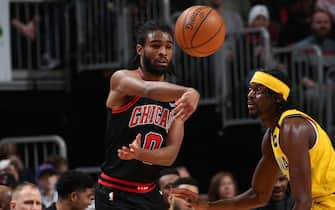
point(293, 144)
point(259, 17)
point(6, 166)
point(46, 178)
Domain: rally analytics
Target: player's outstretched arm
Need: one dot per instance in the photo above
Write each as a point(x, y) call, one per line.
point(128, 83)
point(259, 194)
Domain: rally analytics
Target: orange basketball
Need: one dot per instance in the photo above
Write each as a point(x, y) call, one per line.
point(200, 31)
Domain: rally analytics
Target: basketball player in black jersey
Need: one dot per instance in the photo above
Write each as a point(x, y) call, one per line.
point(145, 126)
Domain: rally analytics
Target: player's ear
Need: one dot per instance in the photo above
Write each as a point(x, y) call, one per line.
point(139, 49)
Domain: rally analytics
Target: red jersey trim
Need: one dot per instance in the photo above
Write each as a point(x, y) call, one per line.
point(121, 181)
point(127, 106)
point(134, 190)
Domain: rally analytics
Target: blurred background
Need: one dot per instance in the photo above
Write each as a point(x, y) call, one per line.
point(57, 57)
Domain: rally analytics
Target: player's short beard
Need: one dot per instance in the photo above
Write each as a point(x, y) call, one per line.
point(158, 71)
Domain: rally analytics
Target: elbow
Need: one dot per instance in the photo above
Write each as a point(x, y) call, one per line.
point(168, 161)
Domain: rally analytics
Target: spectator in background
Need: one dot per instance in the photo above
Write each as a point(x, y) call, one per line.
point(187, 183)
point(327, 5)
point(281, 198)
point(44, 30)
point(6, 166)
point(7, 150)
point(296, 21)
point(259, 17)
point(26, 196)
point(7, 179)
point(222, 185)
point(233, 21)
point(59, 163)
point(183, 171)
point(274, 7)
point(27, 29)
point(321, 27)
point(166, 178)
point(5, 197)
point(75, 190)
point(46, 178)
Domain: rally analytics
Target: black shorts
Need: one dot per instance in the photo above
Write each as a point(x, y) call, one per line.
point(107, 198)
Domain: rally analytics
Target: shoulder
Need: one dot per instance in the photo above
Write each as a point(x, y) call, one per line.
point(292, 123)
point(119, 74)
point(295, 130)
point(124, 72)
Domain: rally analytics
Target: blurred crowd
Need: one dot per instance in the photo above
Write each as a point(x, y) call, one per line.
point(54, 186)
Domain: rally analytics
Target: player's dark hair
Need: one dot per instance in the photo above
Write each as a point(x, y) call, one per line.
point(185, 180)
point(73, 181)
point(151, 26)
point(168, 171)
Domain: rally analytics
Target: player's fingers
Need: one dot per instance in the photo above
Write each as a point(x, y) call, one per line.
point(138, 136)
point(132, 147)
point(179, 114)
point(120, 153)
point(183, 193)
point(125, 149)
point(177, 108)
point(138, 140)
point(180, 100)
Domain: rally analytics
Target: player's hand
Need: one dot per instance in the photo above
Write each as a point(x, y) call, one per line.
point(186, 104)
point(131, 152)
point(194, 199)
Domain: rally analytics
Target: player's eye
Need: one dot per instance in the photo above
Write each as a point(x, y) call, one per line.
point(156, 46)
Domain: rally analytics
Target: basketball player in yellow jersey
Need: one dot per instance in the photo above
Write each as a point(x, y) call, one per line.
point(293, 143)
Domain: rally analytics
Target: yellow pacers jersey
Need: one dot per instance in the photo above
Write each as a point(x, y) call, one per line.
point(322, 157)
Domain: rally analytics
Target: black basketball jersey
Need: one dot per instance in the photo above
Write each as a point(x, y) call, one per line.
point(141, 115)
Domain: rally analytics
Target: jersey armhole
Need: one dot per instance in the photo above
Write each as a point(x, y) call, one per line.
point(126, 106)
